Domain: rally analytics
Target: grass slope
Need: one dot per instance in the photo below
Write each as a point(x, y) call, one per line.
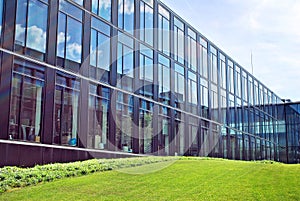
point(183, 180)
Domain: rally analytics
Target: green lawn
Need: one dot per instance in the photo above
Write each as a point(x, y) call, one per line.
point(182, 180)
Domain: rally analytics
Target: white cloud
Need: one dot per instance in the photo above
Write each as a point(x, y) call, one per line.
point(105, 4)
point(128, 6)
point(36, 38)
point(73, 52)
point(61, 37)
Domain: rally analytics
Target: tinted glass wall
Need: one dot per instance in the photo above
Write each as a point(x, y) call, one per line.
point(163, 89)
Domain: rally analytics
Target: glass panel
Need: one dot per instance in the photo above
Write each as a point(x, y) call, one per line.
point(102, 8)
point(178, 41)
point(100, 26)
point(31, 32)
point(61, 36)
point(66, 111)
point(146, 23)
point(74, 40)
point(21, 22)
point(98, 117)
point(1, 16)
point(124, 123)
point(126, 14)
point(37, 26)
point(192, 46)
point(70, 9)
point(146, 126)
point(26, 103)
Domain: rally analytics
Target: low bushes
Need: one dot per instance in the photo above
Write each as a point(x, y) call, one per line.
point(15, 177)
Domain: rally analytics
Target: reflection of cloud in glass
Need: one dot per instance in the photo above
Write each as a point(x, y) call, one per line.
point(128, 7)
point(20, 34)
point(105, 4)
point(74, 52)
point(61, 38)
point(36, 38)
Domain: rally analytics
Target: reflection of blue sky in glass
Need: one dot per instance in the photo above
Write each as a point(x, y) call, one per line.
point(1, 13)
point(100, 44)
point(126, 14)
point(69, 37)
point(102, 8)
point(73, 45)
point(35, 28)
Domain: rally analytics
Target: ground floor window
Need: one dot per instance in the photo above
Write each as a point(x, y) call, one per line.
point(66, 110)
point(26, 102)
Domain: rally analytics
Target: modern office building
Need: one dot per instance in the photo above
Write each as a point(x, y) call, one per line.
point(119, 78)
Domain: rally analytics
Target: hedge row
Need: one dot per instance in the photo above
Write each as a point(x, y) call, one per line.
point(15, 177)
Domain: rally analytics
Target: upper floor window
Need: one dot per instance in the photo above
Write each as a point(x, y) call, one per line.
point(69, 35)
point(203, 58)
point(146, 71)
point(31, 31)
point(163, 30)
point(164, 78)
point(179, 83)
point(126, 15)
point(178, 40)
point(99, 50)
point(102, 8)
point(125, 63)
point(146, 21)
point(213, 65)
point(192, 50)
point(192, 88)
point(222, 71)
point(1, 15)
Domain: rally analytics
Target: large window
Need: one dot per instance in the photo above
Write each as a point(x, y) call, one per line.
point(192, 88)
point(98, 117)
point(213, 65)
point(25, 119)
point(146, 126)
point(238, 81)
point(69, 42)
point(102, 8)
point(222, 71)
point(164, 131)
point(179, 134)
point(192, 53)
point(125, 63)
point(178, 40)
point(100, 51)
point(146, 71)
point(126, 15)
point(31, 31)
point(230, 77)
point(66, 110)
point(203, 58)
point(146, 21)
point(164, 79)
point(204, 98)
point(163, 30)
point(124, 122)
point(1, 16)
point(179, 84)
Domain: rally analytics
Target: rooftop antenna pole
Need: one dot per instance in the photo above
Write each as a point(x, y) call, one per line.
point(252, 62)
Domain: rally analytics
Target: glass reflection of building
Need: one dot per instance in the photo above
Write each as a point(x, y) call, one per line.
point(78, 81)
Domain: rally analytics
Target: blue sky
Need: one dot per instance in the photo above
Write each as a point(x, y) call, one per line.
point(268, 28)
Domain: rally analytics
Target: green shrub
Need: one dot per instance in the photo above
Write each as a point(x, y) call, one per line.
point(15, 177)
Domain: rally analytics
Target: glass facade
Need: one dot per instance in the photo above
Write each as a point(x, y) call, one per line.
point(163, 90)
